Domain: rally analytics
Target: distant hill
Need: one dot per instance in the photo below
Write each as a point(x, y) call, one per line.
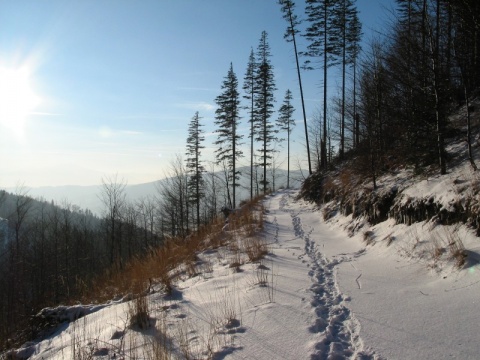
point(87, 197)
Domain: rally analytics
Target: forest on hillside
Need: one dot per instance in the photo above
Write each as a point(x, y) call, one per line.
point(402, 87)
point(51, 253)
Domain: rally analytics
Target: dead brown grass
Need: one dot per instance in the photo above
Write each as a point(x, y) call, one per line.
point(449, 244)
point(163, 265)
point(139, 313)
point(348, 180)
point(255, 248)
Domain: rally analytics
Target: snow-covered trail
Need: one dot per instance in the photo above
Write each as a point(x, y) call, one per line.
point(371, 302)
point(295, 227)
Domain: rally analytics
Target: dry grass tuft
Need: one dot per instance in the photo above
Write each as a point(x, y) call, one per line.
point(448, 246)
point(139, 313)
point(369, 237)
point(236, 260)
point(456, 249)
point(255, 248)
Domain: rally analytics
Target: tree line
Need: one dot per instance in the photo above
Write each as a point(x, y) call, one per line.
point(259, 92)
point(334, 34)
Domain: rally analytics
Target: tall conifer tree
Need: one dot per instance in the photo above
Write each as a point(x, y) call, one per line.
point(249, 88)
point(286, 123)
point(264, 99)
point(228, 139)
point(195, 168)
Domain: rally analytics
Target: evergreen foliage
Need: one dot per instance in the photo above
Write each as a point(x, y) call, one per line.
point(228, 139)
point(195, 168)
point(264, 102)
point(285, 122)
point(249, 89)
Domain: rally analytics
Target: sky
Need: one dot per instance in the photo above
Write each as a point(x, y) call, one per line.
point(90, 89)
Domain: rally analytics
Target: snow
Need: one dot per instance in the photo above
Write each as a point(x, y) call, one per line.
point(318, 294)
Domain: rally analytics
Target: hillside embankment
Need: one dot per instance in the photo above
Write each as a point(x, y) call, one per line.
point(405, 193)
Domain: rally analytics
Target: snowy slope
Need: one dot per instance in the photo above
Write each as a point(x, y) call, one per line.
point(319, 294)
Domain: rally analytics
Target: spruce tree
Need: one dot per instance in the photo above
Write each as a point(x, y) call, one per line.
point(228, 140)
point(249, 88)
point(264, 99)
point(195, 168)
point(285, 122)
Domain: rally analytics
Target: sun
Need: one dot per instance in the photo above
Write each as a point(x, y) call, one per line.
point(17, 98)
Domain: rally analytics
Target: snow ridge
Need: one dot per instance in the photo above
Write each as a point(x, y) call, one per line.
point(338, 328)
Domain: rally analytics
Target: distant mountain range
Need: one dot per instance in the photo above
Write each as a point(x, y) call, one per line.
point(88, 197)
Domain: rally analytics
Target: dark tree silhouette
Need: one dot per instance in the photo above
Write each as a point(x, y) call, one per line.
point(228, 139)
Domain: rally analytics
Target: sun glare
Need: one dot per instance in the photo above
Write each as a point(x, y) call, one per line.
point(17, 99)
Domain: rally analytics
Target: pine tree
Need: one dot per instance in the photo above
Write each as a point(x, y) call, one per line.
point(323, 38)
point(195, 168)
point(286, 123)
point(288, 7)
point(264, 99)
point(249, 88)
point(227, 119)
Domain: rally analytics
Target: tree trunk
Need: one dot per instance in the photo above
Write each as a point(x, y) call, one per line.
point(325, 66)
point(344, 64)
point(301, 92)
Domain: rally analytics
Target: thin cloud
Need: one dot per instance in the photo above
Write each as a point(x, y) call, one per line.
point(155, 117)
point(131, 132)
point(201, 105)
point(196, 89)
point(106, 132)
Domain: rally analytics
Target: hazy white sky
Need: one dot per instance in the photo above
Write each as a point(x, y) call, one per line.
point(93, 88)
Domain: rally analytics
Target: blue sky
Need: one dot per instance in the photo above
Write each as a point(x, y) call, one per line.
point(104, 87)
